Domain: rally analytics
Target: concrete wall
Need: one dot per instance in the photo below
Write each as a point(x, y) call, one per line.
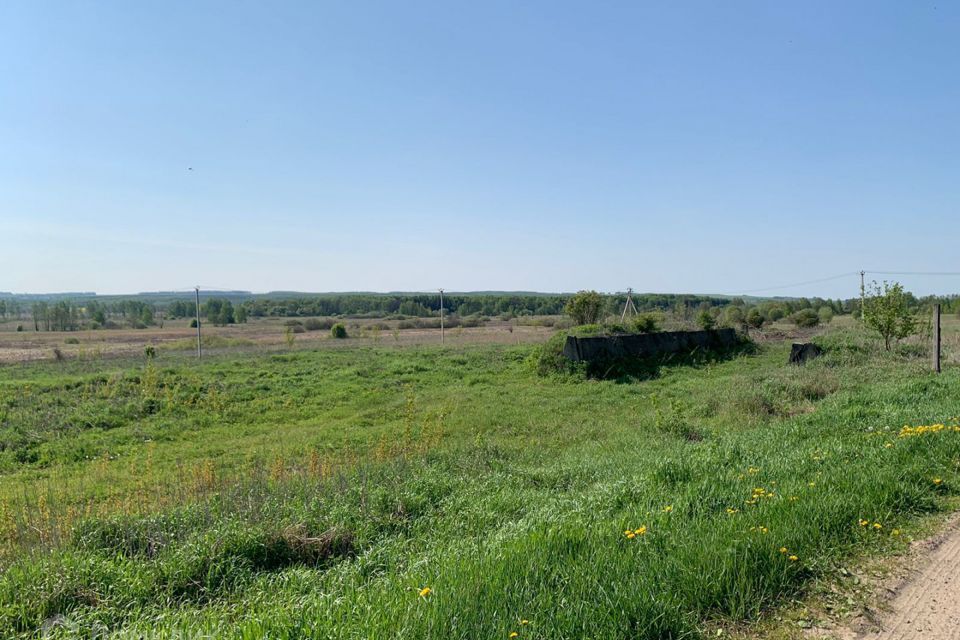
point(645, 345)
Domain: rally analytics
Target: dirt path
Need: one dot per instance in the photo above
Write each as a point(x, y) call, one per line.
point(926, 604)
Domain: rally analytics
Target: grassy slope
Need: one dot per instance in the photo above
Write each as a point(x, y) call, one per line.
point(324, 489)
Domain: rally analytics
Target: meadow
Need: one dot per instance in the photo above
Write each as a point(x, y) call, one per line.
point(420, 491)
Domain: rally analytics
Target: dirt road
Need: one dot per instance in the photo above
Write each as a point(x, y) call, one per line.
point(926, 604)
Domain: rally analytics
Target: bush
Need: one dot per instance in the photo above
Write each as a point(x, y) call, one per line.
point(316, 324)
point(826, 314)
point(71, 341)
point(19, 327)
point(755, 319)
point(585, 307)
point(338, 331)
point(646, 323)
point(150, 352)
point(805, 318)
point(193, 323)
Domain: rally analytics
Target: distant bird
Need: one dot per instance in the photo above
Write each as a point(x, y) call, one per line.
point(189, 168)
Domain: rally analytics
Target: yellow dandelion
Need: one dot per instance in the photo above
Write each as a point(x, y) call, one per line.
point(425, 592)
point(877, 526)
point(631, 535)
point(783, 549)
point(793, 558)
point(641, 531)
point(513, 634)
point(811, 484)
point(668, 508)
point(524, 622)
point(888, 445)
point(937, 481)
point(863, 522)
point(895, 532)
point(732, 511)
point(627, 532)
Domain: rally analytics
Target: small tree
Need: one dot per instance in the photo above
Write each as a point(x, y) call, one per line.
point(585, 307)
point(887, 311)
point(338, 331)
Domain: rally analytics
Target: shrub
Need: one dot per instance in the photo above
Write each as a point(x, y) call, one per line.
point(293, 323)
point(19, 327)
point(585, 307)
point(646, 323)
point(150, 351)
point(826, 314)
point(193, 323)
point(805, 318)
point(755, 319)
point(71, 341)
point(338, 331)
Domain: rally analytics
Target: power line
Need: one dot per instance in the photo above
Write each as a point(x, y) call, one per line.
point(914, 273)
point(801, 284)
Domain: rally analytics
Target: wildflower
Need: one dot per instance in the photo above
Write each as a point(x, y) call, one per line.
point(524, 621)
point(732, 511)
point(513, 634)
point(794, 498)
point(631, 535)
point(812, 484)
point(753, 470)
point(877, 526)
point(425, 592)
point(627, 532)
point(668, 508)
point(937, 481)
point(895, 532)
point(793, 558)
point(783, 549)
point(863, 522)
point(888, 445)
point(641, 531)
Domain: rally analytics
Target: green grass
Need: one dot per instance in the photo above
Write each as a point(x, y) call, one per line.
point(313, 494)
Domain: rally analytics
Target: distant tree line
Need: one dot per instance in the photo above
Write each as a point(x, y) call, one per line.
point(143, 311)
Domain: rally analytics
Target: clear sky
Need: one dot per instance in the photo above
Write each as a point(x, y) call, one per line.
point(552, 146)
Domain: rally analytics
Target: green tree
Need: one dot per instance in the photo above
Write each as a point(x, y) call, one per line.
point(241, 314)
point(887, 311)
point(826, 314)
point(338, 331)
point(585, 307)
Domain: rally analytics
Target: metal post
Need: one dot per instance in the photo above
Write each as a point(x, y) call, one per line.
point(441, 316)
point(199, 347)
point(936, 337)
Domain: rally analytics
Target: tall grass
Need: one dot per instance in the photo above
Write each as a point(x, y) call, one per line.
point(507, 494)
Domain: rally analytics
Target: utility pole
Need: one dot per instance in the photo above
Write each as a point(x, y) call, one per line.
point(628, 305)
point(862, 295)
point(441, 316)
point(936, 337)
point(199, 348)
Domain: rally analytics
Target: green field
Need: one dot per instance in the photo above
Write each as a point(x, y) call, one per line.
point(423, 492)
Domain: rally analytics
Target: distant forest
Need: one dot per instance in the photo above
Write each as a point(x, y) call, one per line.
point(68, 312)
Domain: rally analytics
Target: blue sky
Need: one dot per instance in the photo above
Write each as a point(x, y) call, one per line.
point(553, 146)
